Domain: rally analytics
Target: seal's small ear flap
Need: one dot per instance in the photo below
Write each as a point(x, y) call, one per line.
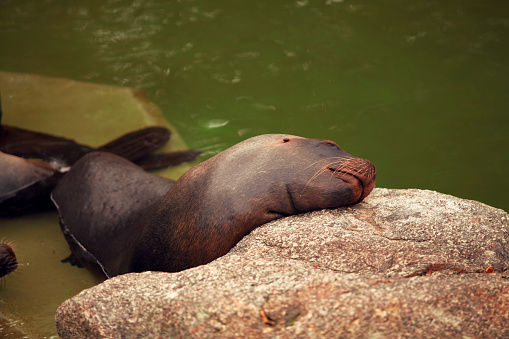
point(101, 202)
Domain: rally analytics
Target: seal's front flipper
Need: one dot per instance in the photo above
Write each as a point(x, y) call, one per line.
point(101, 203)
point(71, 259)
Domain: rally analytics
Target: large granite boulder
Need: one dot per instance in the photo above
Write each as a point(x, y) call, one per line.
point(404, 263)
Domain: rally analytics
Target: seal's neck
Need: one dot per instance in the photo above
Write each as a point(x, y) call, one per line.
point(192, 228)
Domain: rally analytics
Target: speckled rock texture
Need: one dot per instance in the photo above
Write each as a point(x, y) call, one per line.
point(404, 263)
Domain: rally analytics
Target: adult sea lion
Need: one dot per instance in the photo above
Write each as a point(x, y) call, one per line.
point(118, 218)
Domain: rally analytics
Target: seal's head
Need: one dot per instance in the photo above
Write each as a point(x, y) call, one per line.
point(8, 262)
point(320, 174)
point(284, 175)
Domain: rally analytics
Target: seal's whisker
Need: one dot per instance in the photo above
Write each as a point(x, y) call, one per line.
point(325, 168)
point(7, 242)
point(361, 166)
point(317, 173)
point(321, 170)
point(338, 159)
point(337, 170)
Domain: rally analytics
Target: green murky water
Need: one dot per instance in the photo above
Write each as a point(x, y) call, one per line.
point(418, 87)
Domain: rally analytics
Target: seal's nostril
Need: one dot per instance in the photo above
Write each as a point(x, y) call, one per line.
point(286, 139)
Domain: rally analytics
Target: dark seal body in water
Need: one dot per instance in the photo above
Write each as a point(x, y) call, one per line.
point(31, 163)
point(25, 184)
point(8, 262)
point(118, 218)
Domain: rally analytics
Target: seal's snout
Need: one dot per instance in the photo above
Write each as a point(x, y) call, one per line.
point(361, 166)
point(363, 170)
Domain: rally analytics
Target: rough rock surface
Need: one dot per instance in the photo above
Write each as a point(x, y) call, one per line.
point(404, 263)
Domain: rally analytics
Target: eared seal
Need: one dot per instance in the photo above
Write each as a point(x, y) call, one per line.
point(31, 163)
point(118, 218)
point(30, 167)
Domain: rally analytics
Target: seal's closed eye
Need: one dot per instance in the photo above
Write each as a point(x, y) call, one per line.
point(329, 143)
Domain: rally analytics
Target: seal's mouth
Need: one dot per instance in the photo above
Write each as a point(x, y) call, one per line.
point(359, 173)
point(342, 173)
point(351, 178)
point(347, 175)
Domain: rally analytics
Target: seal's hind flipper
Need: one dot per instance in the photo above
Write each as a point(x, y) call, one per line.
point(29, 144)
point(101, 203)
point(162, 160)
point(137, 144)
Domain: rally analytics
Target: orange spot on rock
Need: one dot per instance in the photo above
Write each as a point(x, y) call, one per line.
point(266, 319)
